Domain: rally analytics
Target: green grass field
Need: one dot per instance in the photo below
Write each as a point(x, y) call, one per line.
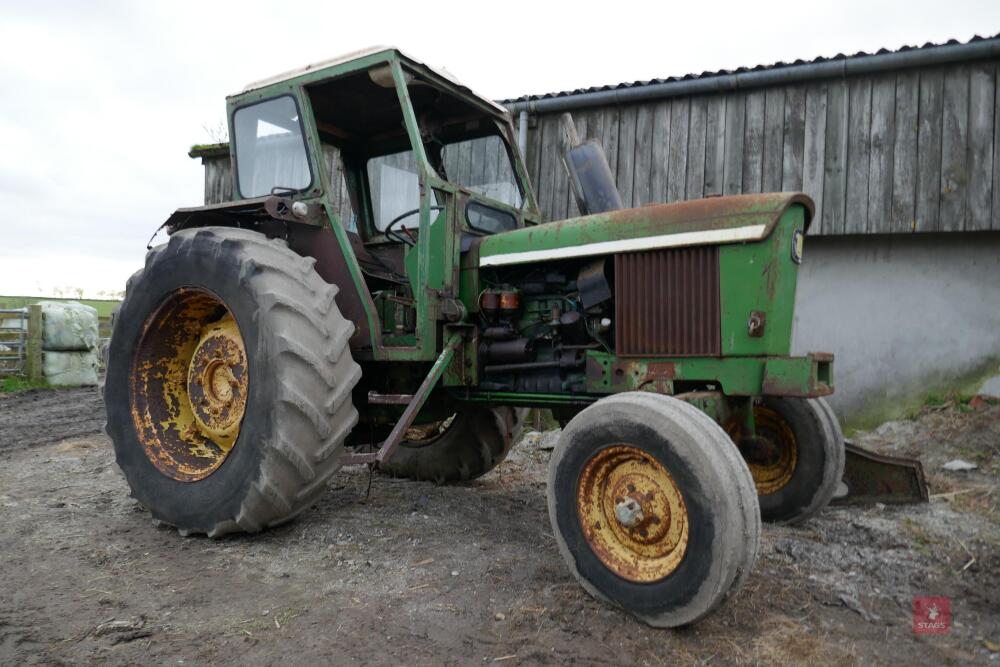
point(103, 306)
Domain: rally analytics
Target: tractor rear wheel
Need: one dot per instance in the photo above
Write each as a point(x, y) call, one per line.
point(463, 447)
point(229, 382)
point(796, 457)
point(652, 507)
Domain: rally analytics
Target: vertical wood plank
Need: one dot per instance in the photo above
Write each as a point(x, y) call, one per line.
point(753, 143)
point(491, 162)
point(859, 124)
point(774, 135)
point(626, 154)
point(547, 176)
point(680, 117)
point(697, 128)
point(982, 92)
point(793, 142)
point(561, 187)
point(835, 173)
point(641, 179)
point(609, 139)
point(715, 145)
point(996, 156)
point(955, 149)
point(33, 368)
point(477, 171)
point(736, 107)
point(928, 200)
point(463, 173)
point(534, 154)
point(660, 152)
point(880, 165)
point(904, 158)
point(814, 152)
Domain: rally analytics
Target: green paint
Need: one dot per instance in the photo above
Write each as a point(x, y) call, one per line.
point(638, 223)
point(760, 277)
point(737, 376)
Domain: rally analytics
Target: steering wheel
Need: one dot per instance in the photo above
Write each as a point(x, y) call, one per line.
point(394, 235)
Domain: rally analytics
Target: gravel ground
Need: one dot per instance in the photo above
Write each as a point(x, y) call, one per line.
point(411, 573)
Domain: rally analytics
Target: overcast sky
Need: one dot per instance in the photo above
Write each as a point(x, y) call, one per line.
point(101, 100)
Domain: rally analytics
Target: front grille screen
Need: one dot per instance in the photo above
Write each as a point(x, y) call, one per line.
point(667, 302)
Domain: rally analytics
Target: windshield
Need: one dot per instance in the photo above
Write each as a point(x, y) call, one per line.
point(270, 150)
point(483, 166)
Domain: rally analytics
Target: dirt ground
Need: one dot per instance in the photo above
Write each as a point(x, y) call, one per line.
point(411, 573)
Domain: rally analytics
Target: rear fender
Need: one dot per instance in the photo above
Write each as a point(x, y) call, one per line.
point(316, 233)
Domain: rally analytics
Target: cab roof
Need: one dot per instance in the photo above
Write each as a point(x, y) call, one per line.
point(389, 52)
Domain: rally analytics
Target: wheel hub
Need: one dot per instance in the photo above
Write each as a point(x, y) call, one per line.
point(632, 513)
point(771, 453)
point(189, 384)
point(217, 383)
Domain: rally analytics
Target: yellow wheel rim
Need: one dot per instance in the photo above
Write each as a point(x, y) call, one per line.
point(632, 514)
point(190, 384)
point(773, 454)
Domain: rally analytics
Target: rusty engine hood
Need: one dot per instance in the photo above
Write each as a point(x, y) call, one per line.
point(711, 221)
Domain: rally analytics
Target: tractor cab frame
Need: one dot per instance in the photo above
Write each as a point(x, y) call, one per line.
point(422, 167)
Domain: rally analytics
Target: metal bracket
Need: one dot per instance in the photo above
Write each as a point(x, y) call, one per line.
point(390, 444)
point(876, 478)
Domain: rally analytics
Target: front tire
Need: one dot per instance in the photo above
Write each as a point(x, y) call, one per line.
point(652, 507)
point(229, 382)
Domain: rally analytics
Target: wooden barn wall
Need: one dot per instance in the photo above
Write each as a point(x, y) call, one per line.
point(916, 150)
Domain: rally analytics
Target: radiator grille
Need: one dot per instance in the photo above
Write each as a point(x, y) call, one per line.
point(667, 302)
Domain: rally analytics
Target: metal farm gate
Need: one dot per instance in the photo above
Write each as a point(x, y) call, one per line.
point(13, 340)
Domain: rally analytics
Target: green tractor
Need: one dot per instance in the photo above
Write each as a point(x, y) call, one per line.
point(382, 292)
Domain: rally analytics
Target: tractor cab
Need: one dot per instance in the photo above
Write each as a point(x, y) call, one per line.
point(409, 162)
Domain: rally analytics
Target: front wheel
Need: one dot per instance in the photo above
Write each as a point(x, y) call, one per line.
point(652, 507)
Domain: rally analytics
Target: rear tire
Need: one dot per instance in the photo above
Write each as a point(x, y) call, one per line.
point(818, 464)
point(476, 441)
point(637, 437)
point(297, 379)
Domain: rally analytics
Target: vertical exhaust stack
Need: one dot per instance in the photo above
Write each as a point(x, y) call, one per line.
point(593, 185)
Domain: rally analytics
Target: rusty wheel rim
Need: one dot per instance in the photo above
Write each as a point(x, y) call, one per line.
point(773, 454)
point(189, 385)
point(424, 435)
point(632, 514)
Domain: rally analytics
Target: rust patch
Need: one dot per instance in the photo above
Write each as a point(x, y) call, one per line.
point(632, 514)
point(667, 302)
point(190, 338)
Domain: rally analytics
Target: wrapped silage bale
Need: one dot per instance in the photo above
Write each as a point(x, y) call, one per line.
point(74, 368)
point(68, 326)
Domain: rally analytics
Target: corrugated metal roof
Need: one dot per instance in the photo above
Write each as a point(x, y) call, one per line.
point(740, 70)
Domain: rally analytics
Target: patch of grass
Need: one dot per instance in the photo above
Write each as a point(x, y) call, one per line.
point(934, 400)
point(17, 383)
